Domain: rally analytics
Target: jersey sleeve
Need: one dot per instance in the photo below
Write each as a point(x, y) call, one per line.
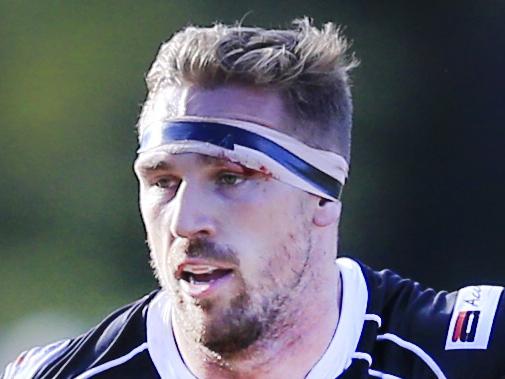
point(497, 339)
point(475, 339)
point(31, 361)
point(429, 334)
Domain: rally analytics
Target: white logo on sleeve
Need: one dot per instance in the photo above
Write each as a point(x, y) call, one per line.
point(472, 317)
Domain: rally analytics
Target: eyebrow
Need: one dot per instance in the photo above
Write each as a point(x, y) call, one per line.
point(152, 164)
point(156, 163)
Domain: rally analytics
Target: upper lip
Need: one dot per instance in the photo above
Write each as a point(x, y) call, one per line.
point(200, 263)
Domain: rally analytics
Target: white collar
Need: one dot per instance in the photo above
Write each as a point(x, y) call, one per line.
point(338, 356)
point(170, 365)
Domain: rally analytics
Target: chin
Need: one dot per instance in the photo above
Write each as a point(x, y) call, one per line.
point(230, 334)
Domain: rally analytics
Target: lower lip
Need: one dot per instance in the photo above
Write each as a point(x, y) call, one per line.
point(201, 290)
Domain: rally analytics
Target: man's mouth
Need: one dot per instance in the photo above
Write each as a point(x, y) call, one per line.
point(202, 273)
point(199, 279)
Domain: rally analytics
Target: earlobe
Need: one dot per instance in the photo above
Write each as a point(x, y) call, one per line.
point(327, 213)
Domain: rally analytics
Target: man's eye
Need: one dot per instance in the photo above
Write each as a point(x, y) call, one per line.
point(230, 179)
point(165, 183)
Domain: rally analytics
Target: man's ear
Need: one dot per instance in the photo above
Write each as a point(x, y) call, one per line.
point(327, 212)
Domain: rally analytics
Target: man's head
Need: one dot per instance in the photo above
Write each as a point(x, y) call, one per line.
point(307, 67)
point(241, 253)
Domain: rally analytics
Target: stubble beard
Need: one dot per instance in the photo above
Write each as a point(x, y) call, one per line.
point(252, 317)
point(233, 328)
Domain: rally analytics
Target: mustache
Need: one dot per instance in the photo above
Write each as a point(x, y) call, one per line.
point(205, 249)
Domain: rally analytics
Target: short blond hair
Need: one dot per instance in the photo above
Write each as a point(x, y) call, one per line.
point(309, 66)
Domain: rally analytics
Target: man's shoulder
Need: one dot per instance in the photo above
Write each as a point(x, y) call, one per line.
point(443, 334)
point(29, 362)
point(118, 334)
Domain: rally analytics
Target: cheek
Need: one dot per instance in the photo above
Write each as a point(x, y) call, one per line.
point(150, 203)
point(155, 217)
point(151, 220)
point(276, 240)
point(278, 221)
point(279, 269)
point(153, 208)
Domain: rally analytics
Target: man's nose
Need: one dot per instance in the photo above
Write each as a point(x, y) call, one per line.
point(192, 213)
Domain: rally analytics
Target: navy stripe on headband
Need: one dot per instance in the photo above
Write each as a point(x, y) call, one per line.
point(226, 136)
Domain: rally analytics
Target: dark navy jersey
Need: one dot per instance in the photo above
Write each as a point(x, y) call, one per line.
point(389, 328)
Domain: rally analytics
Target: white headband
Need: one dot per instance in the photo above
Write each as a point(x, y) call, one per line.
point(254, 146)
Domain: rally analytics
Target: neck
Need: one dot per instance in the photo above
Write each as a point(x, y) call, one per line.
point(291, 351)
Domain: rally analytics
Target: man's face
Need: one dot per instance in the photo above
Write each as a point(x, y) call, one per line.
point(237, 249)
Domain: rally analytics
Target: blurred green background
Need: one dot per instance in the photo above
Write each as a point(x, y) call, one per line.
point(425, 195)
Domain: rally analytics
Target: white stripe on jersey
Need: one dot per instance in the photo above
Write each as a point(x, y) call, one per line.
point(416, 350)
point(115, 362)
point(29, 362)
point(382, 375)
point(372, 317)
point(365, 356)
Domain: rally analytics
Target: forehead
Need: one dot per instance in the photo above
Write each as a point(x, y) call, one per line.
point(260, 105)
